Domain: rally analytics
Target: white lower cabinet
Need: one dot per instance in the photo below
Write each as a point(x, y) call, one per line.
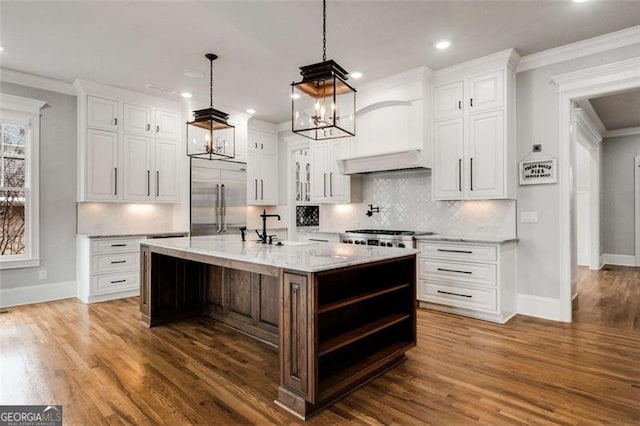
point(473, 279)
point(107, 268)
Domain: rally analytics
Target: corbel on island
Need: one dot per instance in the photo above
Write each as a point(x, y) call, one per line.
point(339, 314)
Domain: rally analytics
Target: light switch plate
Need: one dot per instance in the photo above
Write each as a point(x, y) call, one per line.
point(529, 217)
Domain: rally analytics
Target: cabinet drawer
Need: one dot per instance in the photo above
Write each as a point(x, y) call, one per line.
point(466, 252)
point(463, 297)
point(457, 272)
point(115, 262)
point(114, 282)
point(121, 245)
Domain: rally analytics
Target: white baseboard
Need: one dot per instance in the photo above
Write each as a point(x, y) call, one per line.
point(618, 259)
point(37, 293)
point(539, 307)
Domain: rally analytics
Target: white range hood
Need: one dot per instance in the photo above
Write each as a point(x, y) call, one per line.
point(396, 160)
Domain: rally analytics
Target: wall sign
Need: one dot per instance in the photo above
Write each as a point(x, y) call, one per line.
point(534, 172)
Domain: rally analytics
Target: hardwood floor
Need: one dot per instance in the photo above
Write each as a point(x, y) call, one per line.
point(609, 297)
point(105, 367)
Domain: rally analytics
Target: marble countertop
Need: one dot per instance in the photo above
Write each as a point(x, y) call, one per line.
point(299, 256)
point(467, 238)
point(145, 234)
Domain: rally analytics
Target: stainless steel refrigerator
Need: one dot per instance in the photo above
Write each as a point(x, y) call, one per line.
point(218, 197)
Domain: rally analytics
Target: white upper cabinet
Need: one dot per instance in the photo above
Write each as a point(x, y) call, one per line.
point(102, 113)
point(136, 119)
point(262, 168)
point(327, 184)
point(474, 153)
point(102, 159)
point(129, 146)
point(166, 124)
point(448, 99)
point(486, 91)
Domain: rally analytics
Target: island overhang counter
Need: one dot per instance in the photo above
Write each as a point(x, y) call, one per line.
point(339, 314)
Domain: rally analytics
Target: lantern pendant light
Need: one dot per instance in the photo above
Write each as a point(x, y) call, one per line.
point(323, 105)
point(209, 135)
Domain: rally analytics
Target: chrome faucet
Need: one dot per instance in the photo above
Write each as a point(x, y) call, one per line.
point(264, 216)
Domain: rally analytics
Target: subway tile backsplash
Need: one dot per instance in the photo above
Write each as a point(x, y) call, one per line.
point(405, 202)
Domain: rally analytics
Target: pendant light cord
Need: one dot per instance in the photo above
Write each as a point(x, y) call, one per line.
point(324, 30)
point(211, 83)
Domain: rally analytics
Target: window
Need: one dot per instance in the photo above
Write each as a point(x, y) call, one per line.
point(19, 213)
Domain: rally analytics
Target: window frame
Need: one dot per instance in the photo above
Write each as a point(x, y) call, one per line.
point(20, 110)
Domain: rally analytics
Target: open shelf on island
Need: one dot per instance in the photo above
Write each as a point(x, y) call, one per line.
point(360, 298)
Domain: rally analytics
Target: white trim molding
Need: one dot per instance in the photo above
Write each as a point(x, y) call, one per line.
point(591, 117)
point(637, 204)
point(539, 307)
point(36, 81)
point(618, 259)
point(37, 293)
point(629, 131)
point(597, 81)
point(590, 46)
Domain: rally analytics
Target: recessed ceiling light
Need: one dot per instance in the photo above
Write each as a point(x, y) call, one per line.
point(251, 111)
point(295, 96)
point(1, 49)
point(356, 75)
point(186, 95)
point(442, 44)
point(580, 1)
point(193, 74)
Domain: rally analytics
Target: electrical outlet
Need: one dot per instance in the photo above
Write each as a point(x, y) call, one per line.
point(529, 217)
point(42, 274)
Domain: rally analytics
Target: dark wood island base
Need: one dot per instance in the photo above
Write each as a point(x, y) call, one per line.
point(336, 329)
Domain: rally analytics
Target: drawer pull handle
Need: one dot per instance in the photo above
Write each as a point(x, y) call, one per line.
point(455, 294)
point(118, 245)
point(118, 281)
point(454, 270)
point(118, 261)
point(456, 251)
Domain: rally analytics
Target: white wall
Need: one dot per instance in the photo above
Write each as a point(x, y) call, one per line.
point(618, 210)
point(583, 204)
point(57, 191)
point(537, 120)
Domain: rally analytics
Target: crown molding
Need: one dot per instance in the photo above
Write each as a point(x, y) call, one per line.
point(591, 116)
point(587, 129)
point(617, 72)
point(36, 81)
point(629, 131)
point(581, 48)
point(19, 103)
point(284, 126)
point(508, 57)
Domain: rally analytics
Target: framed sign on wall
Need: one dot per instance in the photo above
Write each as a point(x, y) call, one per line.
point(536, 172)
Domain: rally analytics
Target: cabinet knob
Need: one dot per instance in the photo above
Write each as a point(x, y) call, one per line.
point(157, 129)
point(148, 127)
point(115, 121)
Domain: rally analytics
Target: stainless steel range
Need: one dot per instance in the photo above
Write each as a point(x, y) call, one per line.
point(380, 237)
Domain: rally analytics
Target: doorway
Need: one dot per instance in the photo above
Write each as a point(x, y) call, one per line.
point(590, 83)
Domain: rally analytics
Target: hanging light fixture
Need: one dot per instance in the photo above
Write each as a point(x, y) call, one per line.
point(323, 105)
point(209, 135)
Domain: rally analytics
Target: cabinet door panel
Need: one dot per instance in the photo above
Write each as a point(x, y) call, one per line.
point(102, 165)
point(268, 143)
point(268, 182)
point(253, 179)
point(486, 91)
point(338, 185)
point(102, 113)
point(318, 158)
point(165, 181)
point(267, 303)
point(448, 167)
point(239, 294)
point(137, 168)
point(137, 119)
point(485, 151)
point(166, 124)
point(447, 100)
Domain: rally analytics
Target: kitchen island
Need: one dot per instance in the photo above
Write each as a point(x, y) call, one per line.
point(339, 314)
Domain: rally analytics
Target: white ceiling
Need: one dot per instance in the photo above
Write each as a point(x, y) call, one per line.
point(618, 111)
point(261, 44)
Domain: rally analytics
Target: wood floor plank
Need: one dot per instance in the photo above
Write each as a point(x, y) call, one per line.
point(106, 367)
